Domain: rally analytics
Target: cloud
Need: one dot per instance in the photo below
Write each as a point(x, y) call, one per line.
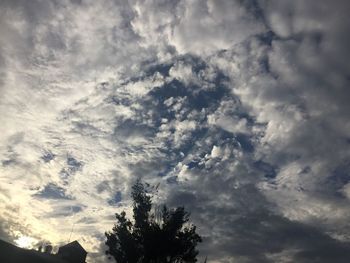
point(239, 109)
point(213, 25)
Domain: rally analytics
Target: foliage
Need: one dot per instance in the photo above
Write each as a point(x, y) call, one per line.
point(148, 240)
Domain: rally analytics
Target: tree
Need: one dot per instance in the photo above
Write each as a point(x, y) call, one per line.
point(148, 240)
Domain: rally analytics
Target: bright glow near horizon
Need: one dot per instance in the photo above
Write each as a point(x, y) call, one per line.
point(25, 242)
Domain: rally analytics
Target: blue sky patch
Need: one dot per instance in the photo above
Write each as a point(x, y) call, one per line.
point(52, 191)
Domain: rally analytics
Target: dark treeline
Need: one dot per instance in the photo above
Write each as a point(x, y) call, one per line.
point(165, 237)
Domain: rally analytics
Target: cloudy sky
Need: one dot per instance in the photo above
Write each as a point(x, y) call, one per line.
point(238, 108)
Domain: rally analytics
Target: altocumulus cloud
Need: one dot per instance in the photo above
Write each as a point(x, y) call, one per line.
point(239, 109)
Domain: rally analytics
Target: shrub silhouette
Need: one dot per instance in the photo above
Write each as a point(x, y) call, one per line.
point(164, 238)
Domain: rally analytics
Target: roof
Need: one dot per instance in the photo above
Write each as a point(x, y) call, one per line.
point(75, 244)
point(12, 254)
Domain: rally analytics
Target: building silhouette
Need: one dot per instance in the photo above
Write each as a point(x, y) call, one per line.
point(72, 252)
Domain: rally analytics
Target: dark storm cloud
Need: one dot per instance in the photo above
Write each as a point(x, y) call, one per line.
point(248, 230)
point(257, 236)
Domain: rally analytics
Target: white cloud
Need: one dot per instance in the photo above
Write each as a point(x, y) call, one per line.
point(206, 27)
point(89, 102)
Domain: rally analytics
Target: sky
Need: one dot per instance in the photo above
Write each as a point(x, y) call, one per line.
point(238, 109)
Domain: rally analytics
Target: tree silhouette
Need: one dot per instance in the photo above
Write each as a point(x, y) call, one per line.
point(164, 238)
